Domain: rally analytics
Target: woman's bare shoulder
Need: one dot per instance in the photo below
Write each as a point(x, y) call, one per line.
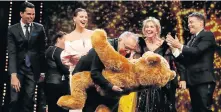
point(89, 32)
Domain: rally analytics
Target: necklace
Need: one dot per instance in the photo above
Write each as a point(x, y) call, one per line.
point(81, 36)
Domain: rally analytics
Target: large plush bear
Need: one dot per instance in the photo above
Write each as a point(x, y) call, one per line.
point(150, 69)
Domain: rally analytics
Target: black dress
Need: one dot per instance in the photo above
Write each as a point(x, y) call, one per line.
point(56, 81)
point(160, 99)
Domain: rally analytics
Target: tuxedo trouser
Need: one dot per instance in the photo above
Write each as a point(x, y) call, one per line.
point(94, 99)
point(202, 97)
point(23, 101)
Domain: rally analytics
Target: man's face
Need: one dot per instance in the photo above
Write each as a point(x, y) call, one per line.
point(195, 25)
point(28, 15)
point(127, 46)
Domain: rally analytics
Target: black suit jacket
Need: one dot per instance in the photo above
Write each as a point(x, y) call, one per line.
point(34, 47)
point(198, 59)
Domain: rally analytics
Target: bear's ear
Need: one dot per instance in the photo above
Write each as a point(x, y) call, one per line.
point(153, 60)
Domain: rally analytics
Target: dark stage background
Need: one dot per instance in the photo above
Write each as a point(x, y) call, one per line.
point(117, 17)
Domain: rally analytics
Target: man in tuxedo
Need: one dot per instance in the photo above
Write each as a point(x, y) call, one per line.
point(197, 56)
point(26, 48)
point(126, 45)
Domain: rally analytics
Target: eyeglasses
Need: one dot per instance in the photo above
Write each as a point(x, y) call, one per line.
point(130, 48)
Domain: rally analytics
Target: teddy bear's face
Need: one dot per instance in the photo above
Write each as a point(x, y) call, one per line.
point(154, 65)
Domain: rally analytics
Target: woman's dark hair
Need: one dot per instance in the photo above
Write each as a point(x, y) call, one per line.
point(54, 39)
point(76, 13)
point(78, 10)
point(26, 5)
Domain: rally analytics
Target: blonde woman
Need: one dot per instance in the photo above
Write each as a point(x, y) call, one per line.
point(158, 99)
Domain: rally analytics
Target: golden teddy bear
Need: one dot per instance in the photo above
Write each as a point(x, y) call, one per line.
point(150, 69)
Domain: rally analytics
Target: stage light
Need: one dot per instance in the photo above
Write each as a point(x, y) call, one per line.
point(41, 12)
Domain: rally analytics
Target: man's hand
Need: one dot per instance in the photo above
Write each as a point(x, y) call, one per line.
point(182, 84)
point(15, 83)
point(116, 88)
point(173, 42)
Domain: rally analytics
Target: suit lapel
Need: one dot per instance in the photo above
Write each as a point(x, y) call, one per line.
point(198, 37)
point(21, 31)
point(31, 31)
point(190, 41)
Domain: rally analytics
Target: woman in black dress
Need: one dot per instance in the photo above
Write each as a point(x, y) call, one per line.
point(158, 99)
point(57, 74)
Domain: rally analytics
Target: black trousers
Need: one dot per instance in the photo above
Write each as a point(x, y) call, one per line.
point(23, 101)
point(53, 92)
point(202, 97)
point(94, 99)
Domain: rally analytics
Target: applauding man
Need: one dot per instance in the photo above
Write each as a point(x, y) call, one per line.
point(197, 57)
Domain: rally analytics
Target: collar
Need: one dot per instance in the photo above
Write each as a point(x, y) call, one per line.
point(198, 32)
point(23, 24)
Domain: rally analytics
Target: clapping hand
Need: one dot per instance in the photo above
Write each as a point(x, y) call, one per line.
point(173, 42)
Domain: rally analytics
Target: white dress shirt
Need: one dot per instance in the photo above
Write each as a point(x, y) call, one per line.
point(24, 28)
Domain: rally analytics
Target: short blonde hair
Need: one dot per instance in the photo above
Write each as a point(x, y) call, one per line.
point(155, 21)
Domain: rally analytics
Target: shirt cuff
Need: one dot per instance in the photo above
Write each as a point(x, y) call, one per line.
point(176, 52)
point(181, 49)
point(42, 74)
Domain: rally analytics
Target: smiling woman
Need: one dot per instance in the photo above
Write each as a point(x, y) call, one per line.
point(78, 42)
point(158, 99)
